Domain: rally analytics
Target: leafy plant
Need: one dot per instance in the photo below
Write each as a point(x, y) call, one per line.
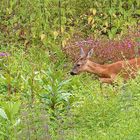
point(54, 92)
point(9, 121)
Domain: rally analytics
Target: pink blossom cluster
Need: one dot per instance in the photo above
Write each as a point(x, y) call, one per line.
point(106, 50)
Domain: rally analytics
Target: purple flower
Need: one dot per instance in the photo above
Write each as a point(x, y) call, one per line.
point(89, 41)
point(84, 43)
point(3, 54)
point(138, 43)
point(129, 45)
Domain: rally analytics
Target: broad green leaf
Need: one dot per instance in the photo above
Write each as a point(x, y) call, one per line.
point(3, 114)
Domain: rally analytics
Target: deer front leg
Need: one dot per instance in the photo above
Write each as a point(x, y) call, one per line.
point(106, 80)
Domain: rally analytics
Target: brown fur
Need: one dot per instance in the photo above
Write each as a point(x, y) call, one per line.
point(107, 73)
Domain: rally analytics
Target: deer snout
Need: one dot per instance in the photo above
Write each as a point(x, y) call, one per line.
point(72, 73)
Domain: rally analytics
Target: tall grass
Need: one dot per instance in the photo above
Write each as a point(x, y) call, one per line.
point(50, 104)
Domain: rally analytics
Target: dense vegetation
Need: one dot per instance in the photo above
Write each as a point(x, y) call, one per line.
point(39, 100)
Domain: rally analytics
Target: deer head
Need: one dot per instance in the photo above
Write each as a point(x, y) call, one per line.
point(81, 63)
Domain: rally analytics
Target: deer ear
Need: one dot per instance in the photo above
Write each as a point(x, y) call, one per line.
point(82, 53)
point(90, 53)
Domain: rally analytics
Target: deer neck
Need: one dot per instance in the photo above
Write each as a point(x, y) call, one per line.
point(96, 68)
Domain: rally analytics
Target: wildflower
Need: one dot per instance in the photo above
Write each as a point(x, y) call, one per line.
point(129, 45)
point(3, 54)
point(138, 43)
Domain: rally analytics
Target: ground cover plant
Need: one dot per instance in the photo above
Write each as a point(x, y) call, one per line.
point(39, 42)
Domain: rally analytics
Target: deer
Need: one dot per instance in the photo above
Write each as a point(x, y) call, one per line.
point(107, 73)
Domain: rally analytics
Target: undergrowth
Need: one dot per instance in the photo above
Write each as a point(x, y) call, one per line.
point(40, 100)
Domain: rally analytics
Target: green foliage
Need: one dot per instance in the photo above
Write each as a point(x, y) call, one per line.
point(45, 102)
point(38, 97)
point(48, 22)
point(9, 120)
point(113, 115)
point(54, 92)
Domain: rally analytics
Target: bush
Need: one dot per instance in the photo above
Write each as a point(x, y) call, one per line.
point(106, 50)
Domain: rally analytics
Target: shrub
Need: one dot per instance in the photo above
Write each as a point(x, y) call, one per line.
point(106, 50)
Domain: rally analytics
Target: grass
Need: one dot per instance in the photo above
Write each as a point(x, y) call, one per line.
point(115, 116)
point(42, 101)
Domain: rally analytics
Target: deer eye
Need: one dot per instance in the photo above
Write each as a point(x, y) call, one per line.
point(78, 65)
